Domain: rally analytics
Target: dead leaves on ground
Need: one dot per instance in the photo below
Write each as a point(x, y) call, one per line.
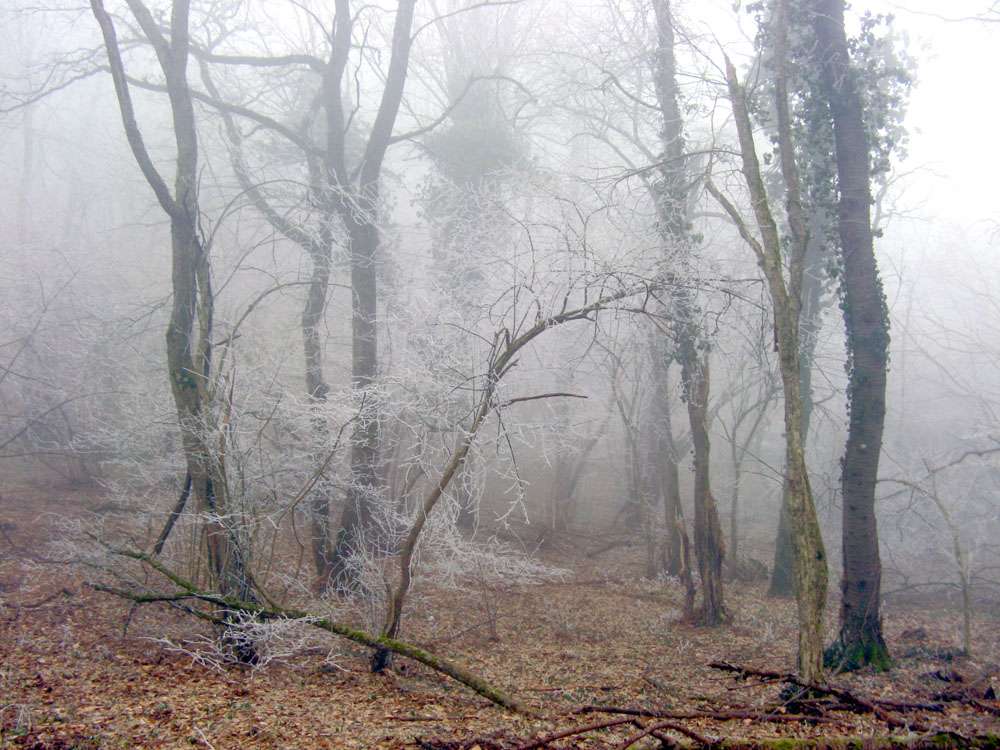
point(69, 679)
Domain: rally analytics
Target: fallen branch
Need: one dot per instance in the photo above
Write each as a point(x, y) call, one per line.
point(543, 741)
point(933, 740)
point(65, 592)
point(655, 730)
point(190, 591)
point(736, 714)
point(983, 706)
point(857, 702)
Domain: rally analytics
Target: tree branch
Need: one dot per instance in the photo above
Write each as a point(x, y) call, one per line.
point(190, 591)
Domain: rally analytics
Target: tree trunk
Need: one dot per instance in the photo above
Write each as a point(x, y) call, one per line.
point(319, 248)
point(782, 575)
point(809, 556)
point(667, 471)
point(866, 319)
point(355, 194)
point(317, 388)
point(359, 529)
point(189, 331)
point(671, 205)
point(709, 543)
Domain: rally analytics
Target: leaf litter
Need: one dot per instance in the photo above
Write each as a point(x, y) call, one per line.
point(80, 669)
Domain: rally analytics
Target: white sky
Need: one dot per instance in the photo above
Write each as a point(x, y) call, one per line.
point(954, 111)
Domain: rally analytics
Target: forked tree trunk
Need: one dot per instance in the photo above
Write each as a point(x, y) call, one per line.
point(809, 556)
point(356, 196)
point(189, 331)
point(866, 319)
point(671, 199)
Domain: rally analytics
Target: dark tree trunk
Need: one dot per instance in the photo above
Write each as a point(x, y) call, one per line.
point(676, 554)
point(189, 331)
point(359, 531)
point(667, 472)
point(673, 513)
point(356, 196)
point(782, 575)
point(709, 543)
point(867, 322)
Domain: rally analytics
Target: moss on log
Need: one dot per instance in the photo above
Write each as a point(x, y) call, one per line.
point(435, 662)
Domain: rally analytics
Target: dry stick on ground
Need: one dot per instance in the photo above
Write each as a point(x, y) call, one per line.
point(673, 726)
point(190, 591)
point(849, 698)
point(982, 705)
point(879, 708)
point(543, 741)
point(717, 715)
point(931, 738)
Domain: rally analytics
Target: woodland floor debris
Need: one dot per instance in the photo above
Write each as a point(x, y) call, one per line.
point(606, 652)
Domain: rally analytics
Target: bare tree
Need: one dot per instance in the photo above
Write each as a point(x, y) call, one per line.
point(786, 298)
point(189, 333)
point(505, 347)
point(672, 194)
point(638, 117)
point(344, 161)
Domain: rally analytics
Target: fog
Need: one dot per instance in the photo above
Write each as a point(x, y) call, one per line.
point(515, 199)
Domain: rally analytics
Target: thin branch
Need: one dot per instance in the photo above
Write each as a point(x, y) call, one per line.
point(519, 399)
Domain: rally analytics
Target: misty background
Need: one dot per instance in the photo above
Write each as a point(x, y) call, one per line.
point(512, 190)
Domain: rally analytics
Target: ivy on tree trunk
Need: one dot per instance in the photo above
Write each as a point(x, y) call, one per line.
point(866, 319)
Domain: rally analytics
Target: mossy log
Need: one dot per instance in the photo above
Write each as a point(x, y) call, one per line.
point(273, 612)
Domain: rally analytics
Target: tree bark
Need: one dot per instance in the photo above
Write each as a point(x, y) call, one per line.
point(356, 196)
point(709, 542)
point(671, 198)
point(359, 531)
point(866, 319)
point(189, 331)
point(317, 388)
point(782, 575)
point(809, 556)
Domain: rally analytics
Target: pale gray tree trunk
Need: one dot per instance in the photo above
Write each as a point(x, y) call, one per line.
point(691, 348)
point(809, 556)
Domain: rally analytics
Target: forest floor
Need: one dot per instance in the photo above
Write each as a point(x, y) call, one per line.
point(81, 669)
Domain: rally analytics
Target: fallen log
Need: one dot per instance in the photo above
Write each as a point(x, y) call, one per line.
point(190, 591)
